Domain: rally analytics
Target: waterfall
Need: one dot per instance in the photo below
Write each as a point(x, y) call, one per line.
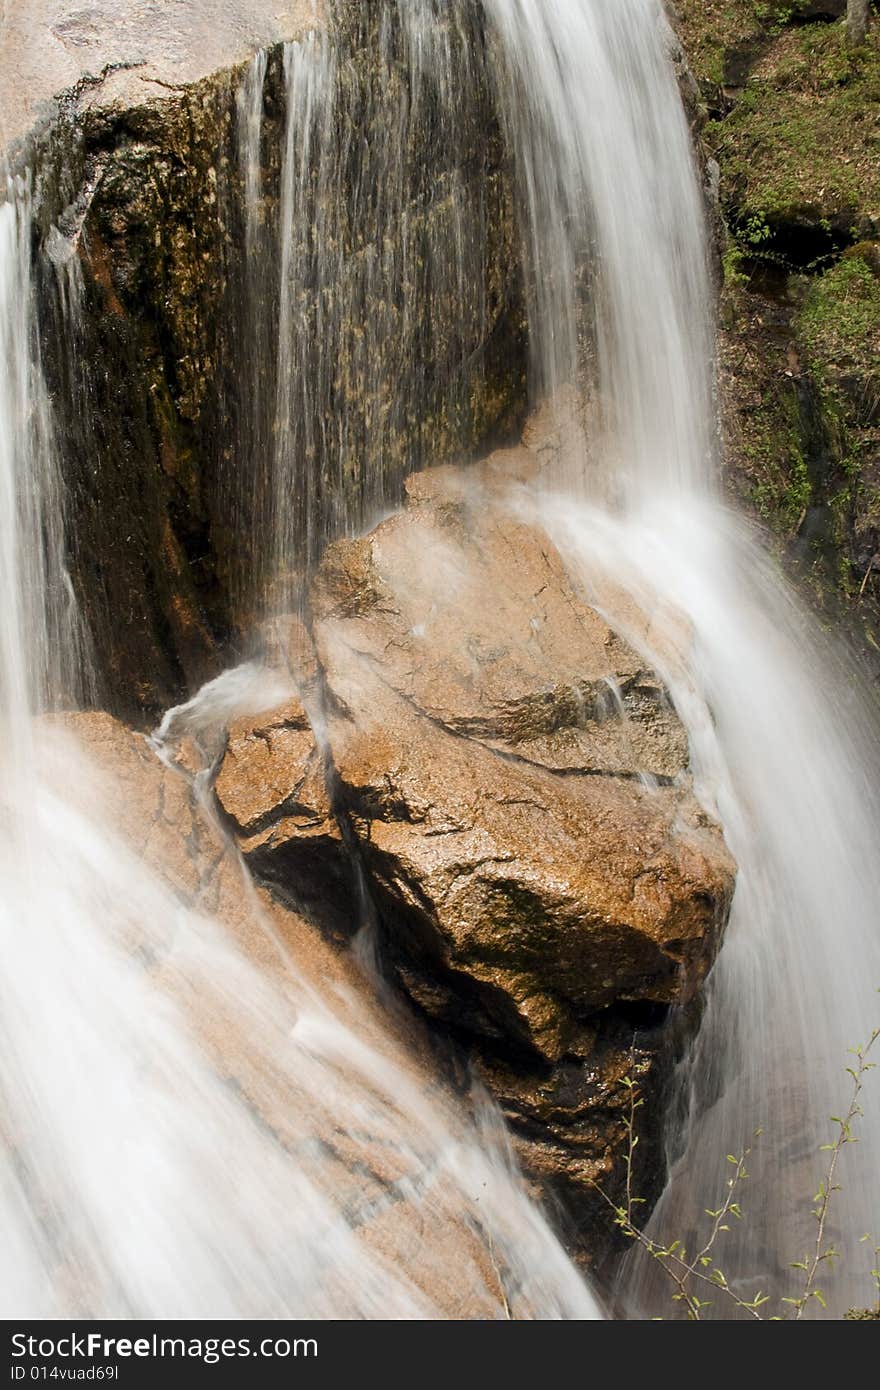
point(367, 293)
point(195, 1124)
point(192, 1125)
point(40, 640)
point(784, 741)
point(613, 233)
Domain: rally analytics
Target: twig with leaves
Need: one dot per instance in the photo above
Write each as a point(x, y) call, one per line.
point(673, 1259)
point(823, 1254)
point(684, 1270)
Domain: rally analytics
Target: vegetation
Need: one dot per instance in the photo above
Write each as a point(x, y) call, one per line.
point(791, 113)
point(839, 326)
point(694, 1275)
point(800, 146)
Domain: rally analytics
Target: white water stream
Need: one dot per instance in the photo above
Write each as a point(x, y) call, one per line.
point(190, 1127)
point(784, 740)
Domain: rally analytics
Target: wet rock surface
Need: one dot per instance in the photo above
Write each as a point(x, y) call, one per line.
point(512, 783)
point(152, 297)
point(362, 1141)
point(472, 745)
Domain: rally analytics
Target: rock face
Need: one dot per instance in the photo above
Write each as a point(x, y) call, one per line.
point(110, 50)
point(512, 783)
point(475, 763)
point(188, 309)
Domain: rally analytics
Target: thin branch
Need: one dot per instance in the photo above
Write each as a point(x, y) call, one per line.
point(681, 1271)
point(828, 1186)
point(672, 1258)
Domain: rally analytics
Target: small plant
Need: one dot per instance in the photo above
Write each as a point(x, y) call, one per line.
point(732, 263)
point(821, 1254)
point(693, 1276)
point(756, 230)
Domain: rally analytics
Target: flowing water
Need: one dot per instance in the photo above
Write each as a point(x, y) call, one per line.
point(152, 1170)
point(367, 295)
point(784, 741)
point(191, 1127)
point(613, 232)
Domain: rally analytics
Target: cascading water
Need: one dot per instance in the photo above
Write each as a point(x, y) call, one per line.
point(152, 1173)
point(784, 743)
point(783, 747)
point(613, 232)
point(186, 1134)
point(368, 297)
point(40, 646)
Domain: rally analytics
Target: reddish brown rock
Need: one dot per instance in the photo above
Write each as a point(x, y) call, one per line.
point(365, 1116)
point(513, 784)
point(515, 777)
point(273, 787)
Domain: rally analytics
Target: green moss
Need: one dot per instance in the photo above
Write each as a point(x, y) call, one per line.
point(721, 35)
point(796, 131)
point(803, 142)
point(838, 329)
point(782, 499)
point(782, 489)
point(710, 29)
point(776, 14)
point(839, 326)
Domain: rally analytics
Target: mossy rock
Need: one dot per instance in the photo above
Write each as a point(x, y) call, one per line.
point(795, 127)
point(839, 326)
point(800, 150)
point(725, 38)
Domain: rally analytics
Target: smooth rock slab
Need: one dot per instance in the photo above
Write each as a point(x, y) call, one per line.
point(122, 51)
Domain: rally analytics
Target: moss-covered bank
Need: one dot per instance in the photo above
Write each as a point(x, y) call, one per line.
point(791, 113)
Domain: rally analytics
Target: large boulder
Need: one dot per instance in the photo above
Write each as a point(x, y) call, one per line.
point(116, 53)
point(512, 783)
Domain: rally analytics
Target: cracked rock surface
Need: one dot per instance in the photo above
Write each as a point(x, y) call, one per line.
point(125, 50)
point(515, 779)
point(514, 784)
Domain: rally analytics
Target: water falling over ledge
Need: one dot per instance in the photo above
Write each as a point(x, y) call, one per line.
point(614, 245)
point(194, 1125)
point(782, 735)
